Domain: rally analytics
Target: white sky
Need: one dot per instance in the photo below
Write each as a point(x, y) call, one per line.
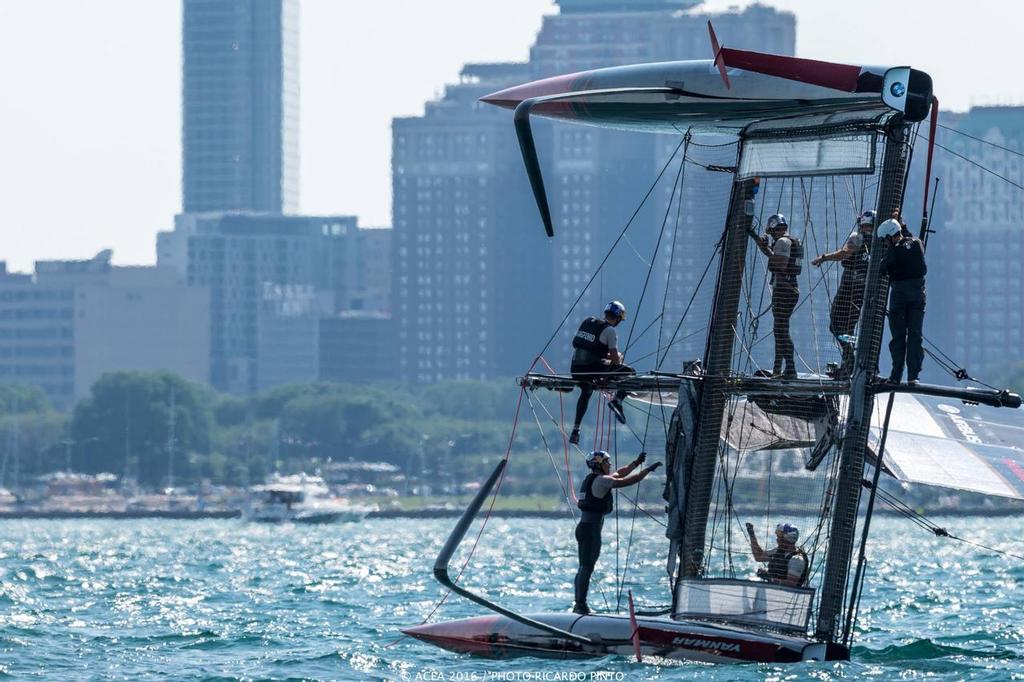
point(90, 121)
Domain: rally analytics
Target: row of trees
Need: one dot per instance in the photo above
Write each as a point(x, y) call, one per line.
point(161, 429)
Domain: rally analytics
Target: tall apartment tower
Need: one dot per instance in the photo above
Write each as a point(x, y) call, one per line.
point(240, 105)
point(478, 289)
point(975, 309)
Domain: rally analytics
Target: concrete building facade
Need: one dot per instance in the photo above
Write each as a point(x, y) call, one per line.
point(66, 324)
point(271, 278)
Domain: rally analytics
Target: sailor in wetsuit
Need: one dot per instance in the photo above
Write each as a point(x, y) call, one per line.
point(595, 501)
point(596, 355)
point(785, 256)
point(787, 563)
point(905, 265)
point(849, 297)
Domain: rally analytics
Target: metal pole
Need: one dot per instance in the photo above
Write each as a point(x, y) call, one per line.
point(858, 578)
point(858, 421)
point(714, 394)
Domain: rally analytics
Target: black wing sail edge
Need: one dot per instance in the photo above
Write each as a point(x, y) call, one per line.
point(453, 542)
point(528, 146)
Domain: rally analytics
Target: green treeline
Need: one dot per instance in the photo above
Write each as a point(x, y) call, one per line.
point(451, 432)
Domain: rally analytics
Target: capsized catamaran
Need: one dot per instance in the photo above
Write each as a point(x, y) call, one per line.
point(792, 122)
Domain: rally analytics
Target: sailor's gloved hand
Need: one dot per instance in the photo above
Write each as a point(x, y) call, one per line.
point(750, 529)
point(652, 467)
point(762, 574)
point(641, 458)
point(817, 261)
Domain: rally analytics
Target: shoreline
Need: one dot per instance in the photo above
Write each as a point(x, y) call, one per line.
point(389, 514)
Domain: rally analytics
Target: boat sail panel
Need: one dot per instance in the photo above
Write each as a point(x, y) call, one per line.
point(962, 447)
point(745, 601)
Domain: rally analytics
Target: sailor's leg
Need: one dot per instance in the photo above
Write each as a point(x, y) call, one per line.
point(622, 370)
point(898, 331)
point(784, 299)
point(588, 538)
point(915, 348)
point(586, 390)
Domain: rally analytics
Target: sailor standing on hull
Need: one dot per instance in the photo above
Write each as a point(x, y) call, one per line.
point(846, 305)
point(785, 256)
point(596, 355)
point(595, 501)
point(905, 264)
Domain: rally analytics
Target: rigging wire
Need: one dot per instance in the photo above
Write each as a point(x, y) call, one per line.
point(977, 165)
point(978, 139)
point(608, 255)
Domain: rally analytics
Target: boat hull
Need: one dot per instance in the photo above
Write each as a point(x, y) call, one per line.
point(502, 637)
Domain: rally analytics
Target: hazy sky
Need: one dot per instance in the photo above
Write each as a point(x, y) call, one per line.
point(90, 122)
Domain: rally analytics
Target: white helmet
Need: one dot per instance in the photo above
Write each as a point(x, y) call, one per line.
point(890, 228)
point(596, 458)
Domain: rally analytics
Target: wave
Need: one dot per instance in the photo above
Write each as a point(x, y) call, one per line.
point(926, 649)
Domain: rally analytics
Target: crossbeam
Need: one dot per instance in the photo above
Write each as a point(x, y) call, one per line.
point(767, 386)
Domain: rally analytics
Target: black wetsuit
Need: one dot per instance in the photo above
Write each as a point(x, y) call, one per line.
point(906, 267)
point(589, 363)
point(588, 534)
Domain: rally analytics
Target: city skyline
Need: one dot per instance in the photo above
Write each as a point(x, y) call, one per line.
point(111, 173)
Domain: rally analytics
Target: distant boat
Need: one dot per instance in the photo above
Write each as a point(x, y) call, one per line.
point(300, 498)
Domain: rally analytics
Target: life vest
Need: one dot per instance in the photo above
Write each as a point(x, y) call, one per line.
point(796, 257)
point(858, 260)
point(906, 260)
point(589, 503)
point(588, 337)
point(778, 564)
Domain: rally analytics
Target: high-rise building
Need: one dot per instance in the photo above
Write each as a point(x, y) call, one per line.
point(477, 288)
point(65, 325)
point(975, 311)
point(240, 105)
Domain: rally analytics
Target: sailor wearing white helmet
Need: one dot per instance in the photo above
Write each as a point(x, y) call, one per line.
point(787, 563)
point(596, 502)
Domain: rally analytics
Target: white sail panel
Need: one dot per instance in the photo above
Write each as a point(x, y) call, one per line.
point(964, 447)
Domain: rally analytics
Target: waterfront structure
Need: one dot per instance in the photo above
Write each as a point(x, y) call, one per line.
point(477, 289)
point(240, 105)
point(70, 321)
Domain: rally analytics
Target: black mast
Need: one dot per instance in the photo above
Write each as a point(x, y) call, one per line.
point(862, 399)
point(714, 392)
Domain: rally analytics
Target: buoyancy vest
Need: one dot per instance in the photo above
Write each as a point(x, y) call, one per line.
point(589, 503)
point(906, 260)
point(796, 257)
point(778, 564)
point(588, 337)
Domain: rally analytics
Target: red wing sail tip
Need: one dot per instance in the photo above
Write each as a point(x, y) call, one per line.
point(716, 50)
point(842, 77)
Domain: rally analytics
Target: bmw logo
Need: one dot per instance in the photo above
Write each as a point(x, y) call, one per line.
point(898, 89)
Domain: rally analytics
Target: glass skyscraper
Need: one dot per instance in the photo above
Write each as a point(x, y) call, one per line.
point(240, 105)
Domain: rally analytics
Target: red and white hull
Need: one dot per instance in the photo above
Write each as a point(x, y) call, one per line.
point(501, 637)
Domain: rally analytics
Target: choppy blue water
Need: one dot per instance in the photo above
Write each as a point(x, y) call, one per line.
point(227, 600)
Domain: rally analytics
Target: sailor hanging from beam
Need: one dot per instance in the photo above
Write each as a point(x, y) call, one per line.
point(596, 356)
point(596, 502)
point(905, 265)
point(785, 259)
point(849, 298)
